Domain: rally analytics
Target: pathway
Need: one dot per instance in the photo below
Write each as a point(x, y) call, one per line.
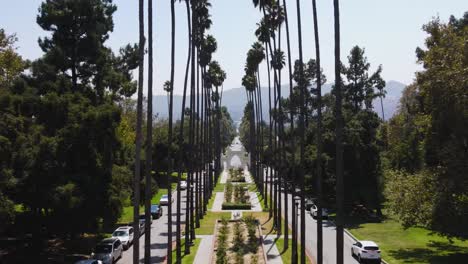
point(272, 252)
point(204, 253)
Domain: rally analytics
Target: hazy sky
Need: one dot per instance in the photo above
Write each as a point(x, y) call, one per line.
point(390, 30)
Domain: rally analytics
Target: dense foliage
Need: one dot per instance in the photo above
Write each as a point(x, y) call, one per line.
point(427, 183)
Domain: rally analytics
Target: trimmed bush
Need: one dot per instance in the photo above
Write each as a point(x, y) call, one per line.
point(236, 206)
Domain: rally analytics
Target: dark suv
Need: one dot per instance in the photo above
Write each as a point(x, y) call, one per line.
point(156, 211)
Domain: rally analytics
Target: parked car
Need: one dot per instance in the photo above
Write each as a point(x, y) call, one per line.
point(314, 212)
point(308, 204)
point(125, 235)
point(183, 185)
point(108, 250)
point(89, 261)
point(156, 211)
point(143, 219)
point(366, 250)
point(142, 227)
point(165, 200)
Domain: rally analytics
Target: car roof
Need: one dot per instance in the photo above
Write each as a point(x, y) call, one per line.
point(109, 240)
point(124, 228)
point(165, 195)
point(368, 243)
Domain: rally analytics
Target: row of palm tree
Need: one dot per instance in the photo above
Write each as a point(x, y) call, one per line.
point(204, 113)
point(204, 116)
point(284, 176)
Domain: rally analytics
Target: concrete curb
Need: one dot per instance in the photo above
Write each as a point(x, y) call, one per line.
point(215, 238)
point(261, 241)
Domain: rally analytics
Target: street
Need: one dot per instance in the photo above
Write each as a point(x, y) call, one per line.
point(158, 235)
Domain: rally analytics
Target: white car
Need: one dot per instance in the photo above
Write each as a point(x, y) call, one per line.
point(314, 212)
point(165, 200)
point(183, 185)
point(366, 250)
point(125, 235)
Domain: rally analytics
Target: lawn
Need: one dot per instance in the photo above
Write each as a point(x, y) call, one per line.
point(208, 222)
point(127, 213)
point(286, 255)
point(187, 259)
point(413, 245)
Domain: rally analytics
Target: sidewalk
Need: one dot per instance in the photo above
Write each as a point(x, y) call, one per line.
point(204, 253)
point(272, 252)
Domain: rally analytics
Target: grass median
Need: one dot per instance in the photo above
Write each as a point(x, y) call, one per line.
point(189, 258)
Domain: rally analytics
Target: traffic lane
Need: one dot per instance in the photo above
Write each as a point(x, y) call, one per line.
point(329, 237)
point(159, 234)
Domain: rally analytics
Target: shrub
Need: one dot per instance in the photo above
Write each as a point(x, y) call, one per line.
point(236, 206)
point(228, 192)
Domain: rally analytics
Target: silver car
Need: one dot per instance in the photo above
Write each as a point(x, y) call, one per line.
point(108, 250)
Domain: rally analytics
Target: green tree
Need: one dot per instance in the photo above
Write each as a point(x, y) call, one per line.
point(11, 63)
point(427, 138)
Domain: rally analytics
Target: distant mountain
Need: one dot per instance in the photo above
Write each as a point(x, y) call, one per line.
point(235, 100)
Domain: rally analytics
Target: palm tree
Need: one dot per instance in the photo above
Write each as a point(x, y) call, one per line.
point(181, 138)
point(169, 141)
point(217, 77)
point(286, 237)
point(136, 183)
point(338, 139)
point(149, 133)
point(302, 131)
point(319, 138)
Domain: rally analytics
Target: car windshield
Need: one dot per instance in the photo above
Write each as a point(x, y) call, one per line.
point(142, 217)
point(371, 248)
point(164, 197)
point(120, 233)
point(103, 249)
point(154, 207)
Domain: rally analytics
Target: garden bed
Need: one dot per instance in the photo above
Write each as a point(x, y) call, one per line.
point(236, 197)
point(238, 242)
point(236, 175)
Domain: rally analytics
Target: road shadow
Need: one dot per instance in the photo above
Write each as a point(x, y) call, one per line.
point(159, 246)
point(167, 234)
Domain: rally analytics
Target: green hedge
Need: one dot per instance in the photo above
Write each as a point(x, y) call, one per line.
point(236, 206)
point(240, 179)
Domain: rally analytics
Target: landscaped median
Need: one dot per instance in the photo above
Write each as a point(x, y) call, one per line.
point(236, 175)
point(236, 197)
point(238, 240)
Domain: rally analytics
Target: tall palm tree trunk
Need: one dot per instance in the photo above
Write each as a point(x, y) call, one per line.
point(149, 133)
point(181, 138)
point(270, 137)
point(286, 238)
point(339, 140)
point(302, 135)
point(319, 138)
point(136, 183)
point(169, 153)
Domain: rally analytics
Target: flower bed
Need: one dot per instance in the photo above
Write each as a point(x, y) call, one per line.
point(238, 242)
point(236, 175)
point(236, 197)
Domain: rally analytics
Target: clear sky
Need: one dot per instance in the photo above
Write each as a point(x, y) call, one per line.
point(390, 31)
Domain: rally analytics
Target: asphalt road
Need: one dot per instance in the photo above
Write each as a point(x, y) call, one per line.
point(329, 238)
point(159, 235)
